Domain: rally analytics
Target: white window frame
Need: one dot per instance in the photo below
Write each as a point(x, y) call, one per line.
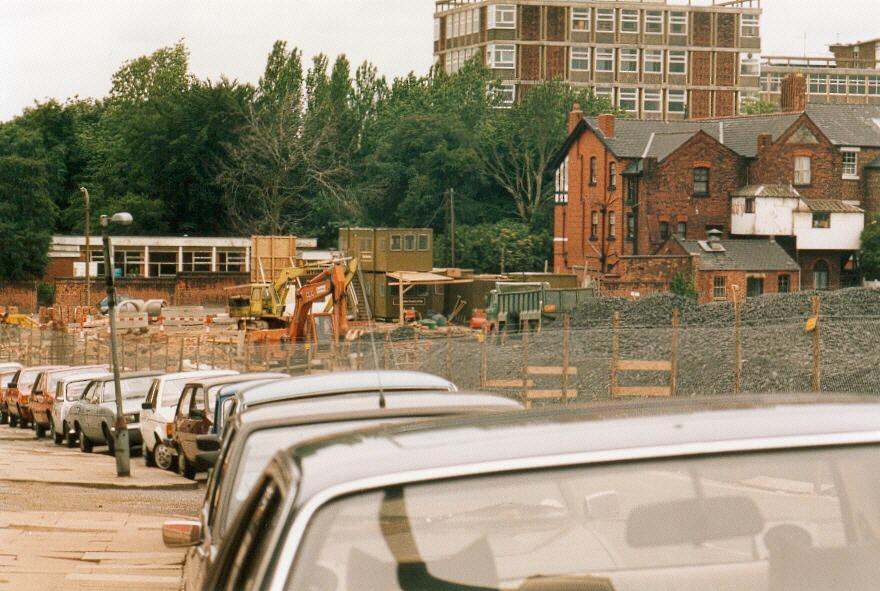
point(874, 84)
point(859, 83)
point(628, 55)
point(502, 16)
point(750, 26)
point(630, 17)
point(677, 57)
point(603, 53)
point(654, 17)
point(580, 56)
point(605, 92)
point(495, 50)
point(803, 176)
point(851, 169)
point(602, 16)
point(629, 95)
point(653, 96)
point(506, 93)
point(672, 97)
point(436, 29)
point(562, 178)
point(653, 56)
point(678, 19)
point(812, 83)
point(836, 82)
point(749, 66)
point(580, 15)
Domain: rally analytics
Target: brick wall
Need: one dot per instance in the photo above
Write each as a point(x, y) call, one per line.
point(530, 23)
point(530, 62)
point(556, 23)
point(808, 263)
point(725, 73)
point(700, 104)
point(22, 294)
point(644, 275)
point(185, 289)
point(702, 35)
point(555, 66)
point(726, 35)
point(872, 191)
point(667, 192)
point(706, 283)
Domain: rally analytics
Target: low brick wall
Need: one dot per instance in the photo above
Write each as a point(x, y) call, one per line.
point(191, 289)
point(645, 275)
point(22, 294)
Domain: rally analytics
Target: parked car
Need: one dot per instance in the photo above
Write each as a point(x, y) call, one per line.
point(42, 397)
point(717, 494)
point(194, 415)
point(158, 412)
point(67, 392)
point(93, 416)
point(225, 401)
point(252, 437)
point(7, 373)
point(17, 392)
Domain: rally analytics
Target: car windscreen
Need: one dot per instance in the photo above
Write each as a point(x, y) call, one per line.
point(56, 377)
point(5, 379)
point(172, 390)
point(75, 390)
point(262, 445)
point(27, 378)
point(132, 388)
point(785, 521)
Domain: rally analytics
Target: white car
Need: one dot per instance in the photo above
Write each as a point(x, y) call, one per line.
point(68, 391)
point(158, 413)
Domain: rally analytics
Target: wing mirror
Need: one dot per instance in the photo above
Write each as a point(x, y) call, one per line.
point(181, 534)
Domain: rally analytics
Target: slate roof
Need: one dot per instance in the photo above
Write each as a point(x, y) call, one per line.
point(844, 125)
point(742, 255)
point(766, 191)
point(831, 206)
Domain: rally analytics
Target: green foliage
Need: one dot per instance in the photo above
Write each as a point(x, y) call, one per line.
point(486, 247)
point(27, 214)
point(684, 286)
point(756, 107)
point(869, 256)
point(45, 294)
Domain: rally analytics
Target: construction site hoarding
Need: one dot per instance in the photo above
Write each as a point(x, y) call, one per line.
point(271, 254)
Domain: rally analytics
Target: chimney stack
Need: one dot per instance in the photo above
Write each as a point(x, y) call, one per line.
point(794, 93)
point(574, 117)
point(606, 124)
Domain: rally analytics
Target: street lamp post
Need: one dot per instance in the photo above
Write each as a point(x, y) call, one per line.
point(85, 193)
point(123, 455)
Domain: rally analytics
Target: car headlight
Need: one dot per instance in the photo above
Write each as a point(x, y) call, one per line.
point(133, 417)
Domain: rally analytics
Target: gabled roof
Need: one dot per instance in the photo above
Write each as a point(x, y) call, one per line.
point(843, 125)
point(831, 206)
point(741, 255)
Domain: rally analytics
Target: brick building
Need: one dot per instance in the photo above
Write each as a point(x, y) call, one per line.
point(851, 75)
point(654, 59)
point(625, 186)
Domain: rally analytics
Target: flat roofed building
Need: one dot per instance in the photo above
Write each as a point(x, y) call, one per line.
point(652, 58)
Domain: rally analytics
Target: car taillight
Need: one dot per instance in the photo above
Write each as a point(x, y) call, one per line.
point(169, 430)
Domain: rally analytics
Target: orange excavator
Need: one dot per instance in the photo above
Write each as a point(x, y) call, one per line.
point(333, 282)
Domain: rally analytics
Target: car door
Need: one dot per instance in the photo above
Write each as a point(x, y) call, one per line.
point(89, 409)
point(148, 415)
point(106, 411)
point(184, 426)
point(199, 421)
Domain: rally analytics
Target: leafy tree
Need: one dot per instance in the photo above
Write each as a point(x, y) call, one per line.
point(869, 256)
point(684, 286)
point(520, 142)
point(502, 246)
point(756, 107)
point(27, 214)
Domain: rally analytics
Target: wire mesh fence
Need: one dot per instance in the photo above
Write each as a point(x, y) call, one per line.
point(556, 364)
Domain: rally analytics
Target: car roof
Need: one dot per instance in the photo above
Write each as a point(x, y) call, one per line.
point(238, 378)
point(130, 375)
point(7, 366)
point(73, 369)
point(566, 435)
point(82, 377)
point(343, 382)
point(196, 374)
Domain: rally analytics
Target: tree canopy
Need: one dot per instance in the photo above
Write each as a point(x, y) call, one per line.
point(312, 146)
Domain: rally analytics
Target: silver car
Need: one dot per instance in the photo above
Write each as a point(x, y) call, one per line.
point(94, 415)
point(68, 391)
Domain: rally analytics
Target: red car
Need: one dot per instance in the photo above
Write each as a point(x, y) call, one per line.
point(18, 392)
point(42, 396)
point(7, 372)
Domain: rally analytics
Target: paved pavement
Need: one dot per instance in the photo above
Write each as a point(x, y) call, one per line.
point(67, 522)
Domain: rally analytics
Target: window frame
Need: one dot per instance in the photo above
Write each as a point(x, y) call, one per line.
point(749, 66)
point(813, 87)
point(699, 182)
point(750, 26)
point(506, 93)
point(427, 238)
point(837, 84)
point(630, 227)
point(604, 54)
point(628, 94)
point(612, 225)
point(850, 170)
point(664, 230)
point(495, 50)
point(678, 19)
point(626, 18)
point(821, 220)
point(681, 230)
point(719, 287)
point(395, 238)
point(603, 17)
point(409, 242)
point(499, 10)
point(594, 171)
point(670, 102)
point(802, 177)
point(581, 55)
point(630, 57)
point(581, 15)
point(651, 18)
point(783, 279)
point(612, 176)
point(654, 96)
point(674, 58)
point(750, 205)
point(652, 56)
point(594, 225)
point(857, 85)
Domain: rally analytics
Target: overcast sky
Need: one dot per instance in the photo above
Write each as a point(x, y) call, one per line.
point(63, 48)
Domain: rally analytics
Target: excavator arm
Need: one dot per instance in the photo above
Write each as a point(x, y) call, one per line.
point(333, 282)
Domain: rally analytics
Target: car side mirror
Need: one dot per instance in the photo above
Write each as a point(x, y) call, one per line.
point(181, 534)
point(146, 406)
point(208, 442)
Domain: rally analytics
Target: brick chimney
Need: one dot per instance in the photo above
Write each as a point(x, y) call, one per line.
point(606, 124)
point(574, 117)
point(765, 140)
point(794, 93)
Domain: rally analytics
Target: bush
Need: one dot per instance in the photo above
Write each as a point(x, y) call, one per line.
point(684, 286)
point(482, 247)
point(45, 295)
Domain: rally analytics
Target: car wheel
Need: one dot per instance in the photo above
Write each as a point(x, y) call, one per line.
point(13, 421)
point(85, 444)
point(186, 469)
point(70, 435)
point(149, 458)
point(58, 438)
point(163, 457)
point(4, 418)
point(111, 443)
point(40, 430)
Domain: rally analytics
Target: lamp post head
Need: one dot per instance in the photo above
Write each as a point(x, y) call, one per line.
point(122, 218)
